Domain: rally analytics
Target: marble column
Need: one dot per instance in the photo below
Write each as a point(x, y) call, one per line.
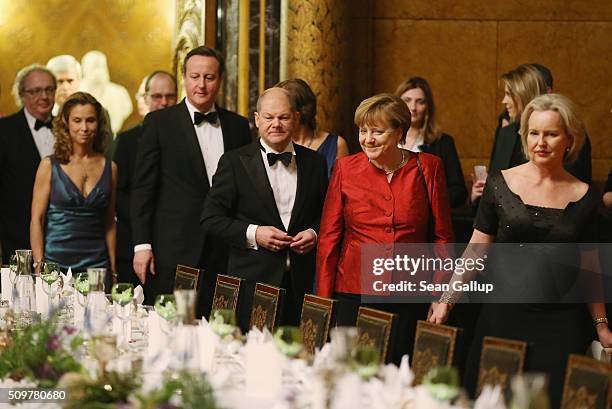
point(316, 50)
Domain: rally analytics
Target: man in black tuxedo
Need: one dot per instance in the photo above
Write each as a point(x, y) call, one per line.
point(266, 202)
point(25, 138)
point(177, 156)
point(160, 91)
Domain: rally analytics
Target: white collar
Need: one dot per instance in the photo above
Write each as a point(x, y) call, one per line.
point(192, 109)
point(268, 149)
point(30, 118)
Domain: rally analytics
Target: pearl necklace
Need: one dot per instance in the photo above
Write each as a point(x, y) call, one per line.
point(399, 166)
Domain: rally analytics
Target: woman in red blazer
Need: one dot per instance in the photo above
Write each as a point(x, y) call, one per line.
point(378, 197)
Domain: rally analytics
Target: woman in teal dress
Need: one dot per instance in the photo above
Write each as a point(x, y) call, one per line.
point(332, 146)
point(73, 206)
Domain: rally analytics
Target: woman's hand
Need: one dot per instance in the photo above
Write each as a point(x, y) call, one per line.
point(438, 312)
point(477, 189)
point(604, 335)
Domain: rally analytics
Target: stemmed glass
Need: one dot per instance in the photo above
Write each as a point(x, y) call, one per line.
point(365, 360)
point(81, 285)
point(289, 341)
point(123, 294)
point(165, 307)
point(223, 323)
point(50, 273)
point(13, 274)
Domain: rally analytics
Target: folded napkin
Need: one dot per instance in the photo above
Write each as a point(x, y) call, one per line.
point(157, 338)
point(490, 398)
point(208, 342)
point(67, 278)
point(346, 393)
point(600, 353)
point(42, 300)
point(5, 281)
point(263, 365)
point(139, 294)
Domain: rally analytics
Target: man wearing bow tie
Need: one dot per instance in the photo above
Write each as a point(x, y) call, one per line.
point(25, 138)
point(177, 156)
point(265, 202)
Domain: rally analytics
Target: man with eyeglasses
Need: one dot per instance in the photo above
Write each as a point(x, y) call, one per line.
point(25, 138)
point(160, 91)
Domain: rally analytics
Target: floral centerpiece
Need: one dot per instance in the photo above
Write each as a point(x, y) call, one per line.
point(42, 353)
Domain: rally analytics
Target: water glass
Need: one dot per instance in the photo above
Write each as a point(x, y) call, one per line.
point(365, 360)
point(96, 279)
point(343, 342)
point(289, 340)
point(185, 306)
point(123, 296)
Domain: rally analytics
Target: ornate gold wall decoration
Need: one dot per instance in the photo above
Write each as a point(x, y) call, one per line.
point(189, 33)
point(136, 37)
point(316, 51)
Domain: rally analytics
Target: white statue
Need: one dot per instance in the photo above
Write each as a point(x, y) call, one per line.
point(67, 71)
point(113, 97)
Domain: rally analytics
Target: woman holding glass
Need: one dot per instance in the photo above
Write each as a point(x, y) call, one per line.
point(538, 202)
point(73, 207)
point(384, 195)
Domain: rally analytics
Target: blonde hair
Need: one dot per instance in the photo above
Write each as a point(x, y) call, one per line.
point(572, 124)
point(524, 84)
point(429, 127)
point(63, 141)
point(387, 109)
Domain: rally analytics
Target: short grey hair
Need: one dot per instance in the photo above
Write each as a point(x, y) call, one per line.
point(65, 63)
point(287, 93)
point(20, 79)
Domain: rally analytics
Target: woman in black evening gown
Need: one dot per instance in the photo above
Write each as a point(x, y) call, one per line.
point(538, 201)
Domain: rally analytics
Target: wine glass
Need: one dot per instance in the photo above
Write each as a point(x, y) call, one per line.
point(49, 274)
point(81, 285)
point(365, 360)
point(289, 341)
point(223, 322)
point(165, 307)
point(123, 294)
point(13, 268)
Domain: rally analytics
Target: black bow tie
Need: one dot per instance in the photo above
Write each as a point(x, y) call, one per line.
point(39, 124)
point(211, 117)
point(284, 157)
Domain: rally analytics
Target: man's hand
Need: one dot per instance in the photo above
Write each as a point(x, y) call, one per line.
point(477, 189)
point(143, 260)
point(271, 238)
point(304, 241)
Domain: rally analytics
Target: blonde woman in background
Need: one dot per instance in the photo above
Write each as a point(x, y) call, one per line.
point(425, 136)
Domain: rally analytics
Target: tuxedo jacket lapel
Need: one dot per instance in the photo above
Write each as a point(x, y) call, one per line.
point(28, 142)
point(191, 139)
point(227, 129)
point(254, 166)
point(303, 170)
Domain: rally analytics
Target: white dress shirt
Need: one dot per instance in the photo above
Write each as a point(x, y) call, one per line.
point(210, 139)
point(415, 147)
point(43, 138)
point(283, 180)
